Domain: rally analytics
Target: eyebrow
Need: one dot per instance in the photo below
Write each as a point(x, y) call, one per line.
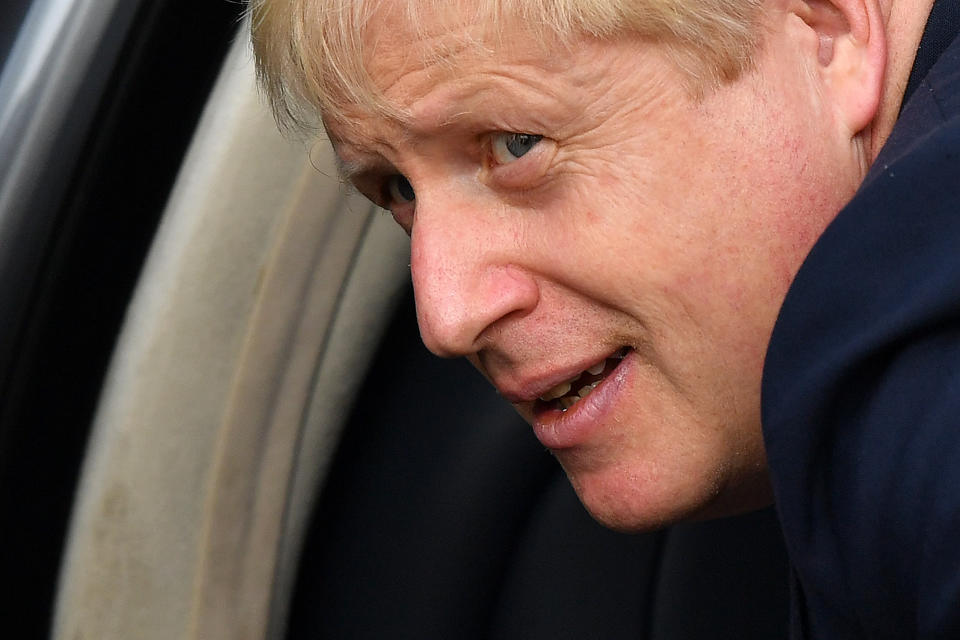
point(451, 113)
point(349, 169)
point(368, 159)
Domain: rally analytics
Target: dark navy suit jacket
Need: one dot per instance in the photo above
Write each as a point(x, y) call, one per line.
point(861, 391)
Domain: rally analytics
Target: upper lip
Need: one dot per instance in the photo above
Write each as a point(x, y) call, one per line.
point(529, 388)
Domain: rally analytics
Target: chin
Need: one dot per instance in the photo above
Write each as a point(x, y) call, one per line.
point(640, 498)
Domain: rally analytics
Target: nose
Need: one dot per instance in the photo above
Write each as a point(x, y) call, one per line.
point(466, 278)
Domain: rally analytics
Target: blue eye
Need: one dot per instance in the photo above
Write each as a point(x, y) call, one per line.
point(509, 147)
point(400, 189)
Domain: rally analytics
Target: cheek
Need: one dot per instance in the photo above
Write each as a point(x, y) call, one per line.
point(593, 217)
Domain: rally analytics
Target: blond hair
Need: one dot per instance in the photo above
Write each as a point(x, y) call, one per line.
point(310, 54)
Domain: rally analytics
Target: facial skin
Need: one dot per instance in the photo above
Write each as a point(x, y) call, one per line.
point(643, 218)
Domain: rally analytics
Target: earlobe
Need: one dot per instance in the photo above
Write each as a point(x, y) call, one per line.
point(851, 56)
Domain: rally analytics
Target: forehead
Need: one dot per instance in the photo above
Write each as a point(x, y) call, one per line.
point(437, 70)
point(404, 49)
point(401, 35)
point(408, 32)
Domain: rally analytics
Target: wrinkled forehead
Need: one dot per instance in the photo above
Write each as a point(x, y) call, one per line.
point(400, 40)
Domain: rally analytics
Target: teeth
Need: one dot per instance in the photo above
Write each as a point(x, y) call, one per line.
point(564, 388)
point(561, 389)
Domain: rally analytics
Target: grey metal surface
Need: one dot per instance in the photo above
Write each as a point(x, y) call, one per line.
point(264, 294)
point(50, 90)
point(12, 13)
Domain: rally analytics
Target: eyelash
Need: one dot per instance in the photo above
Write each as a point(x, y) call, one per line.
point(400, 208)
point(495, 160)
point(521, 173)
point(395, 187)
point(500, 145)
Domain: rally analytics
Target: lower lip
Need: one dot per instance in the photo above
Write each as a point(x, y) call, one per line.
point(557, 429)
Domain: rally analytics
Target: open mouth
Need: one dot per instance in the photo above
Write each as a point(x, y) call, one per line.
point(567, 394)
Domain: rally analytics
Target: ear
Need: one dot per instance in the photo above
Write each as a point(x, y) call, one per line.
point(851, 56)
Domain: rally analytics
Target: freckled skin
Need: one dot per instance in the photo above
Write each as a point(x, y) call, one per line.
point(644, 218)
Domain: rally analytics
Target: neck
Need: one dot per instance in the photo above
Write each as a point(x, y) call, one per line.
point(904, 21)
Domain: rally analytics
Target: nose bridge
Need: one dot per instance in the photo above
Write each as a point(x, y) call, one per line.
point(465, 274)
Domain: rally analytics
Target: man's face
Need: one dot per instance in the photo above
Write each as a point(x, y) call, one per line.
point(574, 210)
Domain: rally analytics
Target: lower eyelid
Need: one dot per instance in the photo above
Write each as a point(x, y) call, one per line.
point(526, 171)
point(403, 216)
